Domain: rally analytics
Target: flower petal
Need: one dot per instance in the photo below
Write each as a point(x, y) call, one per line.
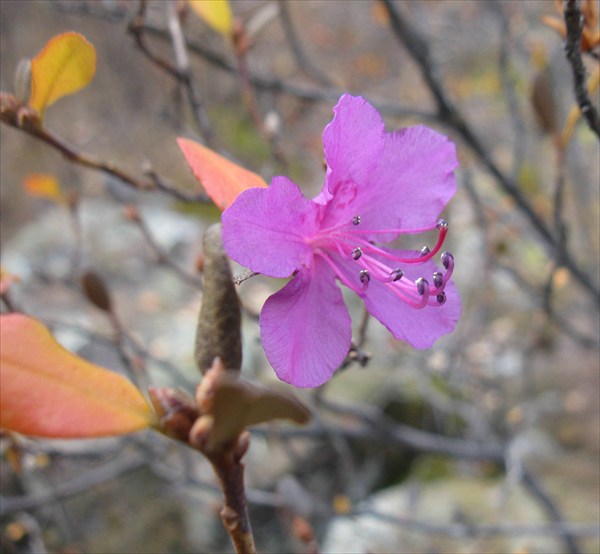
point(305, 327)
point(414, 178)
point(264, 229)
point(352, 143)
point(407, 178)
point(420, 328)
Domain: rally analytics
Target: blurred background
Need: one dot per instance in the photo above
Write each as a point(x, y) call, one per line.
point(488, 442)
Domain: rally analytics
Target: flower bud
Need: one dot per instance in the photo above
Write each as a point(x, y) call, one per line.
point(218, 333)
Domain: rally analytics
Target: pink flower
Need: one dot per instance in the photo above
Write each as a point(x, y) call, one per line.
point(378, 186)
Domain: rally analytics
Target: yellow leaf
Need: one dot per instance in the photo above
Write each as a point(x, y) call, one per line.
point(64, 66)
point(43, 186)
point(217, 13)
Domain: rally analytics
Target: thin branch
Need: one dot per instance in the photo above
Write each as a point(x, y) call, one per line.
point(277, 85)
point(161, 256)
point(12, 118)
point(181, 73)
point(574, 22)
point(539, 493)
point(302, 59)
point(65, 489)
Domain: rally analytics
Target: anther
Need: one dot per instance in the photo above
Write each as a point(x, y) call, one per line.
point(356, 253)
point(447, 260)
point(441, 298)
point(364, 276)
point(424, 251)
point(422, 286)
point(438, 280)
point(356, 220)
point(396, 274)
point(441, 224)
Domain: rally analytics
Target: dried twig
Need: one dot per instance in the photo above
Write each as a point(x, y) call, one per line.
point(573, 22)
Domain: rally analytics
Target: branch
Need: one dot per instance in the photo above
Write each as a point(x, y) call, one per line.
point(24, 120)
point(573, 22)
point(277, 85)
point(302, 59)
point(181, 73)
point(107, 472)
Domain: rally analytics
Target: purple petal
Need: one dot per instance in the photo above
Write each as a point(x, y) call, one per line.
point(410, 186)
point(265, 228)
point(416, 172)
point(420, 328)
point(352, 143)
point(305, 328)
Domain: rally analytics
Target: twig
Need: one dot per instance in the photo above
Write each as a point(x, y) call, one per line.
point(235, 512)
point(302, 59)
point(65, 489)
point(573, 21)
point(181, 73)
point(543, 498)
point(301, 92)
point(74, 155)
point(136, 218)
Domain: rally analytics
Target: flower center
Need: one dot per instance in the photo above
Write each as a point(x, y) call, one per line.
point(354, 243)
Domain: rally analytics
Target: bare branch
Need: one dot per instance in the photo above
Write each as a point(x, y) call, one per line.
point(573, 22)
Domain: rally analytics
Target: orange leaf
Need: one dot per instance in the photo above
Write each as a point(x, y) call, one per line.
point(43, 186)
point(48, 392)
point(222, 179)
point(217, 13)
point(64, 66)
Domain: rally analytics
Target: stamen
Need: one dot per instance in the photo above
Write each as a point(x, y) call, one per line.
point(424, 251)
point(438, 280)
point(423, 290)
point(396, 274)
point(441, 224)
point(356, 220)
point(447, 261)
point(364, 277)
point(441, 298)
point(356, 253)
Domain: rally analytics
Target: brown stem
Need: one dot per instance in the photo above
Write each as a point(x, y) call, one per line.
point(230, 471)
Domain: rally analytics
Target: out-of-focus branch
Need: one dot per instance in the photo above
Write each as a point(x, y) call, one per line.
point(181, 72)
point(573, 22)
point(277, 85)
point(418, 48)
point(12, 117)
point(136, 218)
point(65, 489)
point(539, 493)
point(302, 59)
